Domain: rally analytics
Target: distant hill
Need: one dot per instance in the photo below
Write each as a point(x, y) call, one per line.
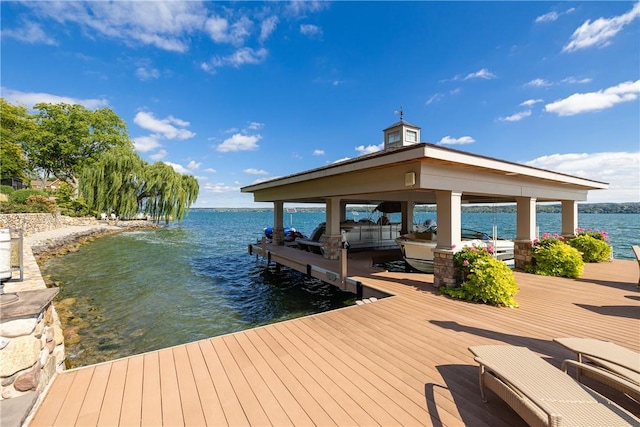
point(605, 208)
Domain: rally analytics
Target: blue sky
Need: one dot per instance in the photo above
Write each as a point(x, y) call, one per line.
point(240, 92)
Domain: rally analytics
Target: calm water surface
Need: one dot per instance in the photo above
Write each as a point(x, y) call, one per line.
point(144, 290)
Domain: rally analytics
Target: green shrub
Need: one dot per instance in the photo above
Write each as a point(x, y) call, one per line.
point(6, 189)
point(592, 244)
point(553, 257)
point(19, 197)
point(486, 279)
point(40, 204)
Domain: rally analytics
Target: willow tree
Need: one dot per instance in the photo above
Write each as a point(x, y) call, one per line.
point(121, 182)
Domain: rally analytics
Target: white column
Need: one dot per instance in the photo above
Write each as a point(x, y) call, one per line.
point(333, 216)
point(449, 218)
point(407, 217)
point(569, 217)
point(278, 223)
point(525, 218)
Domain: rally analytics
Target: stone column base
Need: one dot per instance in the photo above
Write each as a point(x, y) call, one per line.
point(277, 238)
point(331, 246)
point(444, 270)
point(522, 251)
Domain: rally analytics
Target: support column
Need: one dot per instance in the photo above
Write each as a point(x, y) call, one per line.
point(569, 218)
point(525, 231)
point(407, 217)
point(448, 207)
point(332, 239)
point(278, 223)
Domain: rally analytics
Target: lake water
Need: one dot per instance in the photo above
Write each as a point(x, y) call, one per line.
point(143, 290)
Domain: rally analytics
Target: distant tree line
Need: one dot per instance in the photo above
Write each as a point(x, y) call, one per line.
point(608, 208)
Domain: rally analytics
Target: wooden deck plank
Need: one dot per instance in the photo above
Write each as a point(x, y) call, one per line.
point(368, 381)
point(92, 403)
point(250, 403)
point(270, 404)
point(331, 400)
point(73, 401)
point(233, 410)
point(169, 389)
point(401, 360)
point(292, 408)
point(314, 400)
point(50, 407)
point(353, 398)
point(191, 405)
point(151, 414)
point(112, 403)
point(131, 413)
point(211, 407)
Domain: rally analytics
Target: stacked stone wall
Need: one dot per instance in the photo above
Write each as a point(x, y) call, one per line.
point(31, 352)
point(444, 269)
point(37, 222)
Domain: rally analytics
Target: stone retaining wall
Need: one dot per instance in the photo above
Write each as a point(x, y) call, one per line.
point(32, 350)
point(36, 222)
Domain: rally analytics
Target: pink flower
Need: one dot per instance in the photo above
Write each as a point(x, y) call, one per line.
point(466, 262)
point(490, 249)
point(453, 246)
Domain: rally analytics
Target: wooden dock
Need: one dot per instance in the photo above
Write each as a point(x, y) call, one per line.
point(401, 360)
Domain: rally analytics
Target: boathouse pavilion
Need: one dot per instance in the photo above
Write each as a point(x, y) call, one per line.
point(411, 173)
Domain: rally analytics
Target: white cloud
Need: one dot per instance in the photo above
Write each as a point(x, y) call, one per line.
point(601, 31)
point(240, 142)
point(144, 144)
point(255, 125)
point(178, 168)
point(530, 102)
point(434, 98)
point(253, 171)
point(482, 74)
point(595, 101)
point(574, 80)
point(29, 99)
point(620, 169)
point(552, 16)
point(30, 32)
point(517, 116)
point(165, 25)
point(221, 31)
point(161, 154)
point(548, 17)
point(447, 140)
point(163, 127)
point(210, 170)
point(318, 152)
point(538, 83)
point(267, 27)
point(369, 148)
point(144, 73)
point(310, 30)
point(193, 165)
point(242, 56)
point(220, 188)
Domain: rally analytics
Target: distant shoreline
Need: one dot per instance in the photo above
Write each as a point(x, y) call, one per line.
point(594, 208)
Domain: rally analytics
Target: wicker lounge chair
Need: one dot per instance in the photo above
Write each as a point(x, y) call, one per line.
point(606, 362)
point(542, 394)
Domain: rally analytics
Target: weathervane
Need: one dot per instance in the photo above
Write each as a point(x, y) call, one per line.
point(401, 112)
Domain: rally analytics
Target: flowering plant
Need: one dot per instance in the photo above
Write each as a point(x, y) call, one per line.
point(593, 245)
point(552, 256)
point(485, 279)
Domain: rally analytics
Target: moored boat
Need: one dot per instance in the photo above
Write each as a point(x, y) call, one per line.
point(417, 248)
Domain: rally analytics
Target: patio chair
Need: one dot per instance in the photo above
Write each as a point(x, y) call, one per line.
point(542, 394)
point(606, 362)
point(636, 251)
